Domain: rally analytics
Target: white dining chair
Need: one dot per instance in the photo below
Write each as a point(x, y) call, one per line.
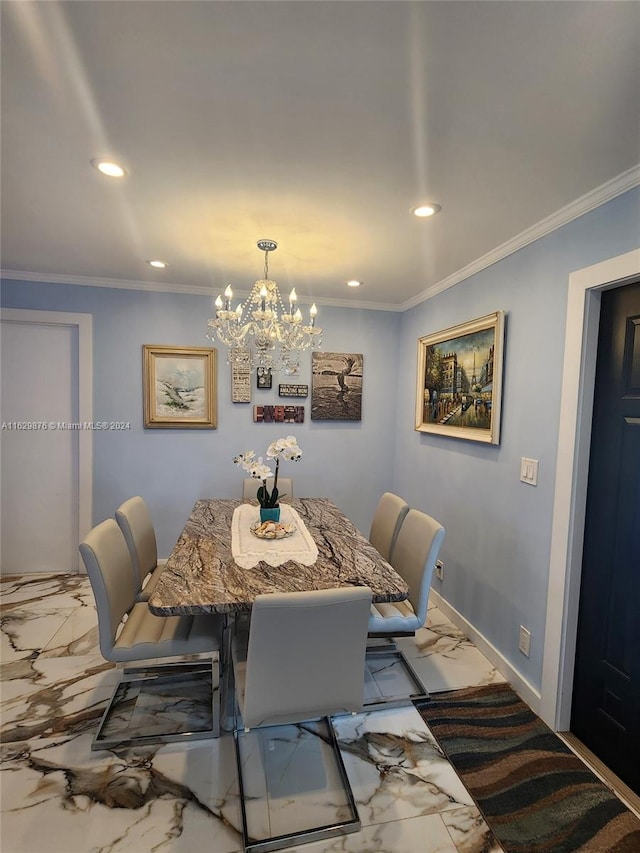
point(250, 488)
point(128, 632)
point(386, 523)
point(134, 520)
point(414, 556)
point(301, 658)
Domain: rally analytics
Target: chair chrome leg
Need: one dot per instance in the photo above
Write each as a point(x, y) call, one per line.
point(227, 680)
point(391, 657)
point(117, 727)
point(280, 842)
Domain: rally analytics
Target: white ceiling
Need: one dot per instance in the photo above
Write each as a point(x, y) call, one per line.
point(316, 124)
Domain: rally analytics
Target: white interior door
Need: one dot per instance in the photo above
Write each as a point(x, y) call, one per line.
point(40, 457)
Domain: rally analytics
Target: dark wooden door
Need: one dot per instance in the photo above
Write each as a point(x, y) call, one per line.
point(606, 690)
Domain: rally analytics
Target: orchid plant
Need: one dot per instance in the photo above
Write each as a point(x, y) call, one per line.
point(283, 448)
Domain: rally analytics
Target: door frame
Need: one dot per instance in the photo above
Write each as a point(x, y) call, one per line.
point(572, 472)
point(84, 324)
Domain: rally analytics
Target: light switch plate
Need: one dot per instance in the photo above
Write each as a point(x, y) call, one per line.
point(529, 471)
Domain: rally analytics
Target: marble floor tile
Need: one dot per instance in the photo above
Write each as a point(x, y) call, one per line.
point(54, 695)
point(59, 795)
point(444, 659)
point(469, 831)
point(25, 631)
point(426, 834)
point(396, 768)
point(42, 591)
point(78, 635)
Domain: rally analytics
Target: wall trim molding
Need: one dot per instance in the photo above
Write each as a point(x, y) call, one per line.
point(595, 198)
point(523, 688)
point(168, 287)
point(572, 471)
point(84, 324)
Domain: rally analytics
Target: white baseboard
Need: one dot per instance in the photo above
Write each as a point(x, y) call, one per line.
point(525, 691)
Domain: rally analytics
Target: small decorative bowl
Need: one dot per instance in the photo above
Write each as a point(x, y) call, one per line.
point(272, 530)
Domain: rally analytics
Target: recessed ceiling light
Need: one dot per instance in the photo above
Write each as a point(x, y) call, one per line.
point(108, 168)
point(353, 283)
point(425, 210)
point(159, 265)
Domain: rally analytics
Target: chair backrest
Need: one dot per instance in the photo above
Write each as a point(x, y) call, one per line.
point(108, 563)
point(306, 655)
point(386, 523)
point(137, 527)
point(414, 556)
point(250, 488)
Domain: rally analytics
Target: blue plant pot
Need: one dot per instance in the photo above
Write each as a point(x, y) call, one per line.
point(269, 513)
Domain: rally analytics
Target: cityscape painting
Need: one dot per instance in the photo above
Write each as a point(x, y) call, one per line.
point(459, 381)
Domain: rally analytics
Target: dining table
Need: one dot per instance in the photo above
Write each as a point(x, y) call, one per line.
point(219, 566)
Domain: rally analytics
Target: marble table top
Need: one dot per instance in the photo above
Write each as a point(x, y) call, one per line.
point(201, 575)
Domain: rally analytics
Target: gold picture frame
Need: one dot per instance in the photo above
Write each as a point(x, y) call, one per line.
point(179, 387)
point(459, 381)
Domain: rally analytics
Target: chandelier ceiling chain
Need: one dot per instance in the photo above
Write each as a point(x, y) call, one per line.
point(260, 332)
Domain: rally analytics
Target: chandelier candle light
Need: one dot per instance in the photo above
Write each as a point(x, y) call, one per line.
point(262, 325)
point(282, 448)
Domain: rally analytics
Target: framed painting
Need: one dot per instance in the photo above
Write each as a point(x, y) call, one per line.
point(179, 387)
point(336, 386)
point(459, 384)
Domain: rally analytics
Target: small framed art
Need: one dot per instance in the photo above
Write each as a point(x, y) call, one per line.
point(264, 377)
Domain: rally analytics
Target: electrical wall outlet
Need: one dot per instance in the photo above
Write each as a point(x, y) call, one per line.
point(439, 569)
point(525, 641)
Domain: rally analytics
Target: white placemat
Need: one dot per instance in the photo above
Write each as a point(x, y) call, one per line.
point(248, 549)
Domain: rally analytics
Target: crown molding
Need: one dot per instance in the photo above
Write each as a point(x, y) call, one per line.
point(168, 287)
point(94, 281)
point(597, 197)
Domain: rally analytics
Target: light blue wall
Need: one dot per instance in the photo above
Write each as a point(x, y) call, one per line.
point(496, 551)
point(350, 462)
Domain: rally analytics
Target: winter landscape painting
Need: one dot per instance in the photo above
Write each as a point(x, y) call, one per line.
point(336, 386)
point(179, 386)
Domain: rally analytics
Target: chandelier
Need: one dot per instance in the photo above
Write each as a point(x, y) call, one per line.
point(260, 331)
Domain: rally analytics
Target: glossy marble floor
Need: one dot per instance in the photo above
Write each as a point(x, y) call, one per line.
point(58, 795)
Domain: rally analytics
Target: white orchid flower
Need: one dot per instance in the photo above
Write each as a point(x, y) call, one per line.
point(282, 448)
point(274, 450)
point(290, 449)
point(245, 458)
point(285, 447)
point(293, 454)
point(258, 470)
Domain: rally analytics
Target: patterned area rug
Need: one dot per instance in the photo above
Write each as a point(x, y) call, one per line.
point(535, 794)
